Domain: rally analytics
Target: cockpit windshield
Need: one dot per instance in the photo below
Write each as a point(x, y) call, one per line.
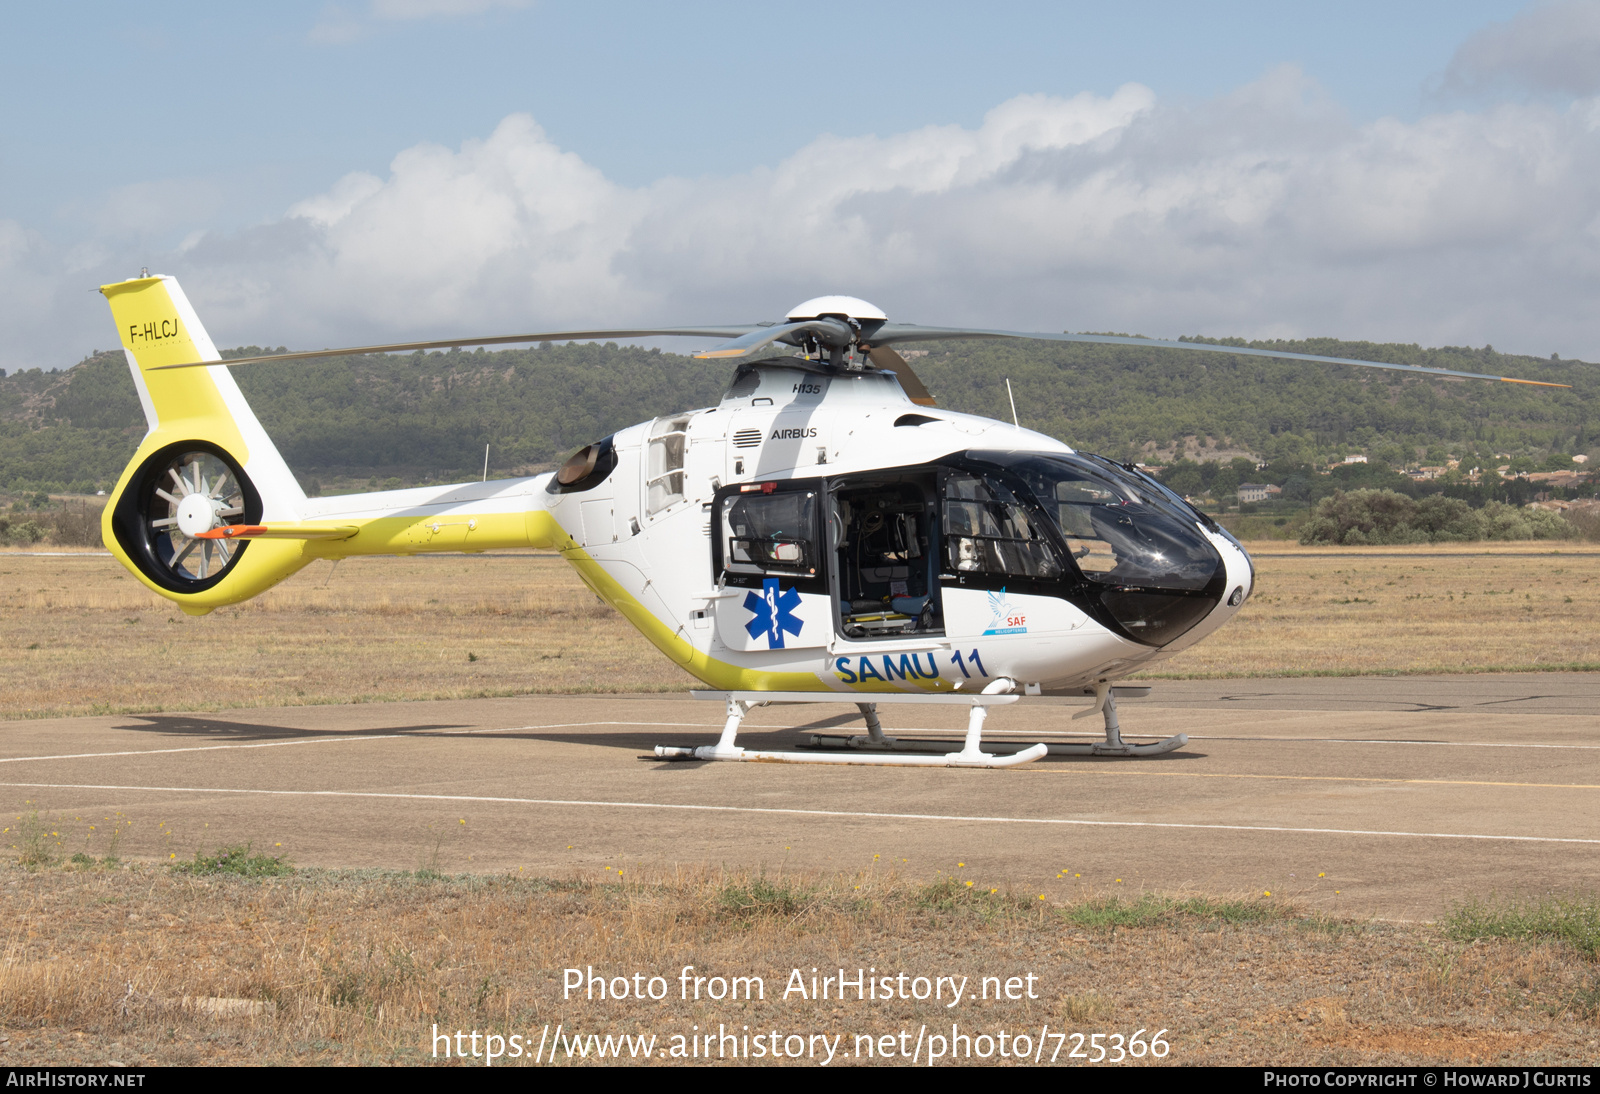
point(1117, 528)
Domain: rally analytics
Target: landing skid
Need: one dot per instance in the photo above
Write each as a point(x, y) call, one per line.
point(740, 703)
point(878, 749)
point(1105, 704)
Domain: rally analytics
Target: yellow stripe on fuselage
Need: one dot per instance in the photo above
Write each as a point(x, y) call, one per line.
point(501, 531)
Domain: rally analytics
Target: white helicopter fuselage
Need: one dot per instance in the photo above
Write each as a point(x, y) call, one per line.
point(651, 537)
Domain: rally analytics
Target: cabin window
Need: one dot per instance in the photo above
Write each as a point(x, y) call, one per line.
point(1119, 530)
point(664, 479)
point(771, 533)
point(987, 530)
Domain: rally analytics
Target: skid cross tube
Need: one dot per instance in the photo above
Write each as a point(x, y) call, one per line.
point(740, 703)
point(1113, 745)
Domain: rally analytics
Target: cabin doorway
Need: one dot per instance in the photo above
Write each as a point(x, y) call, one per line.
point(885, 576)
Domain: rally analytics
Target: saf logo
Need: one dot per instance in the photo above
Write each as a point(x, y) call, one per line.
point(1006, 618)
point(773, 613)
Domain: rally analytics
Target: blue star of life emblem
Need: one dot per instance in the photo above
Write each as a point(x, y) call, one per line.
point(773, 613)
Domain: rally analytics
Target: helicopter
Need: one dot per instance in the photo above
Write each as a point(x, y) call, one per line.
point(825, 533)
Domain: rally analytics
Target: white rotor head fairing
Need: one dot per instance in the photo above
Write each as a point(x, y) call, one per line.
point(852, 306)
point(198, 513)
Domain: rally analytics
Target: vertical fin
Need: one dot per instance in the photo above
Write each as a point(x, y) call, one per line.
point(158, 326)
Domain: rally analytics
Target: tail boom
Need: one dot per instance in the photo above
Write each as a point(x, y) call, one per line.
point(207, 512)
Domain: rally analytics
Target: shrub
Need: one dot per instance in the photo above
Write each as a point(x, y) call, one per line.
point(77, 526)
point(1572, 920)
point(1374, 517)
point(23, 533)
point(1357, 517)
point(235, 860)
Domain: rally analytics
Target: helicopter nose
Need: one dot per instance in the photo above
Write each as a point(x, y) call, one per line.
point(1240, 575)
point(1238, 582)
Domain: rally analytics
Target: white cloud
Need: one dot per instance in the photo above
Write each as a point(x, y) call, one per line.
point(1265, 212)
point(332, 207)
point(1550, 47)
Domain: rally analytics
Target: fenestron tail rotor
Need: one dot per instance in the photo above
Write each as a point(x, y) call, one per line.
point(174, 517)
point(200, 495)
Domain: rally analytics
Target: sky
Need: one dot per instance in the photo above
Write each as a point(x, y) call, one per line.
point(323, 174)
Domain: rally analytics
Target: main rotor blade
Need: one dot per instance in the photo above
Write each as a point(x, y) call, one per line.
point(497, 340)
point(885, 358)
point(830, 332)
point(748, 340)
point(907, 332)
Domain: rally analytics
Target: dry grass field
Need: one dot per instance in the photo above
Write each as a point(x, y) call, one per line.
point(142, 965)
point(81, 636)
point(1476, 607)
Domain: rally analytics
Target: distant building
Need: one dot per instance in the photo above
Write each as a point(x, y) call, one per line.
point(1253, 492)
point(1355, 459)
point(1558, 478)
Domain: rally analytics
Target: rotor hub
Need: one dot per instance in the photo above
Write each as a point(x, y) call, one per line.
point(850, 307)
point(198, 513)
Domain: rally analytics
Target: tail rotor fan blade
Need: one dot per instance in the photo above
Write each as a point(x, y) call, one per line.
point(887, 359)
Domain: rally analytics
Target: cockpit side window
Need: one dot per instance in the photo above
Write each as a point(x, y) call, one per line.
point(990, 531)
point(1076, 501)
point(1118, 531)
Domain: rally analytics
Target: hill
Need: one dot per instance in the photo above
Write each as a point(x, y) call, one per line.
point(343, 422)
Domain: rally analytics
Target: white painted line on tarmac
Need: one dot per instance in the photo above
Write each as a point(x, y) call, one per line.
point(1022, 734)
point(1156, 773)
point(1379, 741)
point(1012, 735)
point(1025, 735)
point(842, 813)
point(55, 554)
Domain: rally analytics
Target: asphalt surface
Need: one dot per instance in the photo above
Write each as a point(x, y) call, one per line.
point(1390, 796)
